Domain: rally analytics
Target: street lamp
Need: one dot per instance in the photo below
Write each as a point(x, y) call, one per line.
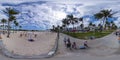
point(58, 30)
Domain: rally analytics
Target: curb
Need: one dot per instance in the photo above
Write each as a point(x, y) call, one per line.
point(54, 49)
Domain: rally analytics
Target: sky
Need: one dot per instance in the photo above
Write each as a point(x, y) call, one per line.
point(42, 14)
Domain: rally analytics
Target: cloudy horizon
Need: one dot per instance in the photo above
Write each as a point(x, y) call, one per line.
point(41, 15)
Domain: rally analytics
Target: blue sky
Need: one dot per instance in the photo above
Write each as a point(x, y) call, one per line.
point(42, 14)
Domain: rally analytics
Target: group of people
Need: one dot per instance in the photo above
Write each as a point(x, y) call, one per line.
point(69, 45)
point(117, 33)
point(72, 45)
point(35, 35)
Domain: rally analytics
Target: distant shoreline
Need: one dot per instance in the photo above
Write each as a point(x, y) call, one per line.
point(26, 30)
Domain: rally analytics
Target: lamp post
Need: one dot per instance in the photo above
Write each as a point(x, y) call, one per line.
point(58, 30)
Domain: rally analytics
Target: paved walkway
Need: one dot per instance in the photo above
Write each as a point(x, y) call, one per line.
point(105, 46)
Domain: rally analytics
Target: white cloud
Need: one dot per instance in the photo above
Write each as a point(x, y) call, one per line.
point(117, 22)
point(51, 13)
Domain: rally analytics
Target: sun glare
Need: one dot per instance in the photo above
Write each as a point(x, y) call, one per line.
point(59, 15)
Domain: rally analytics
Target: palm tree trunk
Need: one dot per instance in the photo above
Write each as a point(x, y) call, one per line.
point(16, 29)
point(3, 28)
point(101, 22)
point(83, 25)
point(13, 29)
point(73, 26)
point(65, 27)
point(8, 35)
point(104, 24)
point(82, 22)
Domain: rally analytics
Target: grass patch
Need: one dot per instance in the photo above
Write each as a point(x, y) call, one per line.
point(86, 35)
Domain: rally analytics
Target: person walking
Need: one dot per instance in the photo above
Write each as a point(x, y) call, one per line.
point(65, 41)
point(69, 44)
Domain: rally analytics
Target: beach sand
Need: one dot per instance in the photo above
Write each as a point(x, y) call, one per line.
point(43, 42)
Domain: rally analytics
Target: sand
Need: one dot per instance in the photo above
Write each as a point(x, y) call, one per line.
point(43, 43)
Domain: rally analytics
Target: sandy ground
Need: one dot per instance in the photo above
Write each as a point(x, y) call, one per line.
point(43, 43)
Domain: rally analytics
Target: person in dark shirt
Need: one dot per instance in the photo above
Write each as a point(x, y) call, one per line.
point(69, 44)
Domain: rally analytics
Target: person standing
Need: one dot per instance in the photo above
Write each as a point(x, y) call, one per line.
point(20, 35)
point(119, 39)
point(69, 43)
point(116, 33)
point(65, 41)
point(35, 35)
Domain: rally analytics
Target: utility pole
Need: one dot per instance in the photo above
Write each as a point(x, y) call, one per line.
point(58, 30)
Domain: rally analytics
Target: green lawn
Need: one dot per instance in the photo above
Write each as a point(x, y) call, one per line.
point(86, 35)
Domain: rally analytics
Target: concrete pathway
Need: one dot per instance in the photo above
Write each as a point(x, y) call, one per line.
point(105, 46)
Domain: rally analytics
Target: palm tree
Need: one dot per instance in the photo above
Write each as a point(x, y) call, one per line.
point(81, 19)
point(16, 25)
point(113, 25)
point(100, 27)
point(82, 25)
point(65, 22)
point(61, 28)
point(20, 27)
point(90, 24)
point(94, 25)
point(107, 25)
point(72, 20)
point(10, 12)
point(53, 27)
point(104, 14)
point(3, 21)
